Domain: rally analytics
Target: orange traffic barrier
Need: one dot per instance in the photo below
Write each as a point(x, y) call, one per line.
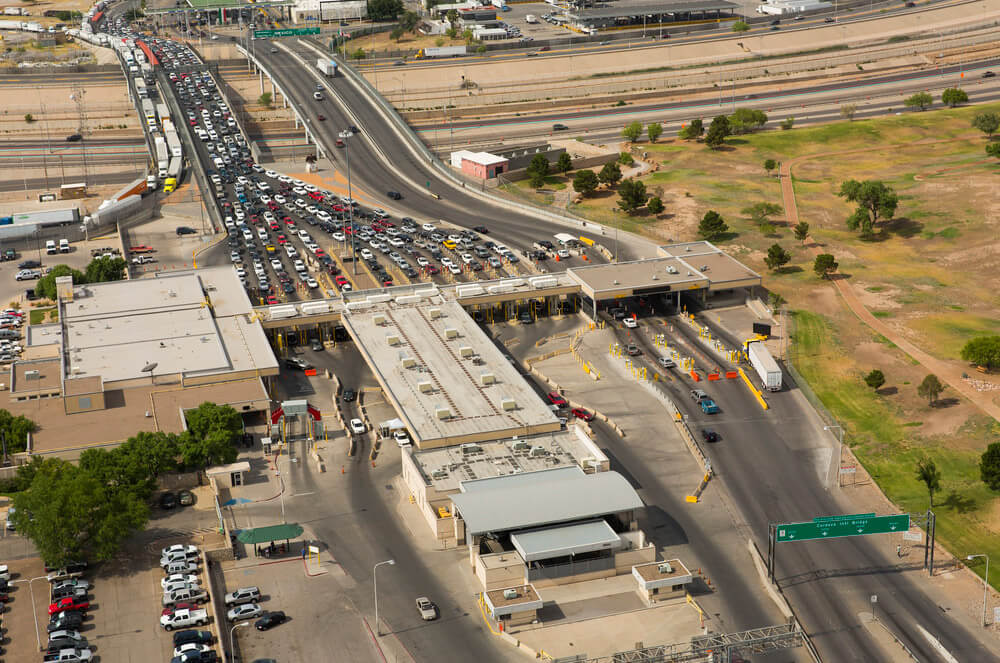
point(713, 376)
point(732, 374)
point(311, 372)
point(695, 376)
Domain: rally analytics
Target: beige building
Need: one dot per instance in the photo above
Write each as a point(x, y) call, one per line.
point(126, 356)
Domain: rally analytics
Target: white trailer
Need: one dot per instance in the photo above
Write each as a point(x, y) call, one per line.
point(162, 156)
point(173, 143)
point(327, 66)
point(767, 368)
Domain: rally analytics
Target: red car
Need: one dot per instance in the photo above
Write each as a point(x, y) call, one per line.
point(431, 269)
point(556, 399)
point(68, 603)
point(281, 239)
point(316, 195)
point(180, 606)
point(271, 299)
point(341, 280)
point(142, 248)
point(580, 413)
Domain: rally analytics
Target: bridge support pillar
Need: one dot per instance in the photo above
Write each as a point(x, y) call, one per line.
point(260, 74)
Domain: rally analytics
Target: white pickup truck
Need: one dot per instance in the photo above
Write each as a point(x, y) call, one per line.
point(184, 618)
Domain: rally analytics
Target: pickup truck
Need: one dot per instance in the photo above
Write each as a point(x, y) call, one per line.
point(183, 619)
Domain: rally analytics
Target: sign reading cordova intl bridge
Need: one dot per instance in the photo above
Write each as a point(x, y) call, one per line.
point(832, 527)
point(288, 32)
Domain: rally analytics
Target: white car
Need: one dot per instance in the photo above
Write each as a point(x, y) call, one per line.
point(191, 647)
point(630, 323)
point(246, 611)
point(179, 577)
point(402, 439)
point(357, 426)
point(312, 283)
point(422, 261)
point(180, 549)
point(427, 609)
point(177, 585)
point(429, 227)
point(345, 134)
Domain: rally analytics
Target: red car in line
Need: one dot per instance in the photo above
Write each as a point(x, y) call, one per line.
point(580, 413)
point(556, 399)
point(68, 603)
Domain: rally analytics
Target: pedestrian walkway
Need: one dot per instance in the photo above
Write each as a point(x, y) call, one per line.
point(948, 372)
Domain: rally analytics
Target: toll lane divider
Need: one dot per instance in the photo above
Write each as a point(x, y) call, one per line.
point(756, 392)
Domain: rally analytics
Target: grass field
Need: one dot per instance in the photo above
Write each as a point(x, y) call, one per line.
point(37, 316)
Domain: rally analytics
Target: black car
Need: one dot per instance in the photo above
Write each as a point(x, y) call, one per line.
point(349, 395)
point(30, 295)
point(187, 637)
point(481, 229)
point(186, 230)
point(988, 74)
point(65, 621)
point(559, 127)
point(29, 264)
point(709, 435)
point(300, 364)
point(168, 500)
point(395, 195)
point(74, 138)
point(270, 620)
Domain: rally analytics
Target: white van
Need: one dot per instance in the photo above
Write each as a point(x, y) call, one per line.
point(64, 246)
point(318, 96)
point(50, 247)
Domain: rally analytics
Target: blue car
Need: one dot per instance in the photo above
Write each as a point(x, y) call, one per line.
point(708, 406)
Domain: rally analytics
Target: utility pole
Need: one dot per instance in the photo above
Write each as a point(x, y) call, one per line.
point(77, 97)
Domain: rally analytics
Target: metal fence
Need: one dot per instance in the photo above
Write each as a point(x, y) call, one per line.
point(538, 572)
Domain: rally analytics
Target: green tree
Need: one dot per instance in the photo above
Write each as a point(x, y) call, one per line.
point(760, 212)
point(265, 100)
point(847, 111)
point(469, 36)
point(15, 430)
point(439, 42)
point(211, 437)
point(981, 351)
point(136, 464)
point(46, 286)
point(769, 165)
point(481, 49)
point(632, 131)
point(452, 32)
point(409, 21)
point(384, 10)
point(787, 123)
point(397, 33)
point(801, 231)
point(631, 195)
point(824, 264)
point(29, 118)
point(954, 96)
point(712, 225)
point(741, 26)
point(625, 159)
point(359, 54)
point(654, 205)
point(452, 16)
point(919, 100)
point(776, 300)
point(875, 379)
point(69, 514)
point(993, 149)
point(693, 129)
point(654, 130)
point(538, 170)
point(717, 132)
point(611, 174)
point(565, 163)
point(745, 120)
point(875, 200)
point(930, 388)
point(988, 123)
point(989, 466)
point(930, 475)
point(104, 268)
point(776, 257)
point(585, 182)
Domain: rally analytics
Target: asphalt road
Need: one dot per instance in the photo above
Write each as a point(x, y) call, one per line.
point(775, 465)
point(369, 172)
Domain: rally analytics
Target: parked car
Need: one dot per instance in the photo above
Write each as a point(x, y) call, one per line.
point(556, 399)
point(185, 498)
point(68, 603)
point(427, 609)
point(296, 362)
point(168, 500)
point(580, 413)
point(270, 620)
point(179, 577)
point(186, 230)
point(63, 621)
point(180, 549)
point(199, 637)
point(245, 611)
point(243, 595)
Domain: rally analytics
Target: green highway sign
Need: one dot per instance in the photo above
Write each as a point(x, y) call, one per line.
point(289, 32)
point(840, 526)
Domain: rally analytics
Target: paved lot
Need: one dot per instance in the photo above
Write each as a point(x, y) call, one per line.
point(21, 638)
point(171, 251)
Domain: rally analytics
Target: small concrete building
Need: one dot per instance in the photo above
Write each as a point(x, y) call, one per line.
point(479, 164)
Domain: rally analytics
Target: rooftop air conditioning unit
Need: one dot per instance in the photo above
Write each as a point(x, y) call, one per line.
point(443, 413)
point(379, 319)
point(425, 387)
point(450, 333)
point(439, 474)
point(471, 448)
point(508, 404)
point(435, 313)
point(392, 339)
point(510, 594)
point(31, 375)
point(407, 362)
point(487, 378)
point(665, 568)
point(466, 351)
point(537, 451)
point(522, 445)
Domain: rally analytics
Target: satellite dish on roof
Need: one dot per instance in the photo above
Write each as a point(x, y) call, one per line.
point(148, 368)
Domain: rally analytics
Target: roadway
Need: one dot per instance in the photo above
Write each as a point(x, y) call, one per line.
point(776, 465)
point(370, 174)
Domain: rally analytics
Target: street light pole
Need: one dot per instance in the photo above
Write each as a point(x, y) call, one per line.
point(232, 633)
point(986, 581)
point(390, 562)
point(350, 208)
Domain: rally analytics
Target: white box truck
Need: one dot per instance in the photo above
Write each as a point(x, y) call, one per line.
point(328, 67)
point(531, 18)
point(767, 369)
